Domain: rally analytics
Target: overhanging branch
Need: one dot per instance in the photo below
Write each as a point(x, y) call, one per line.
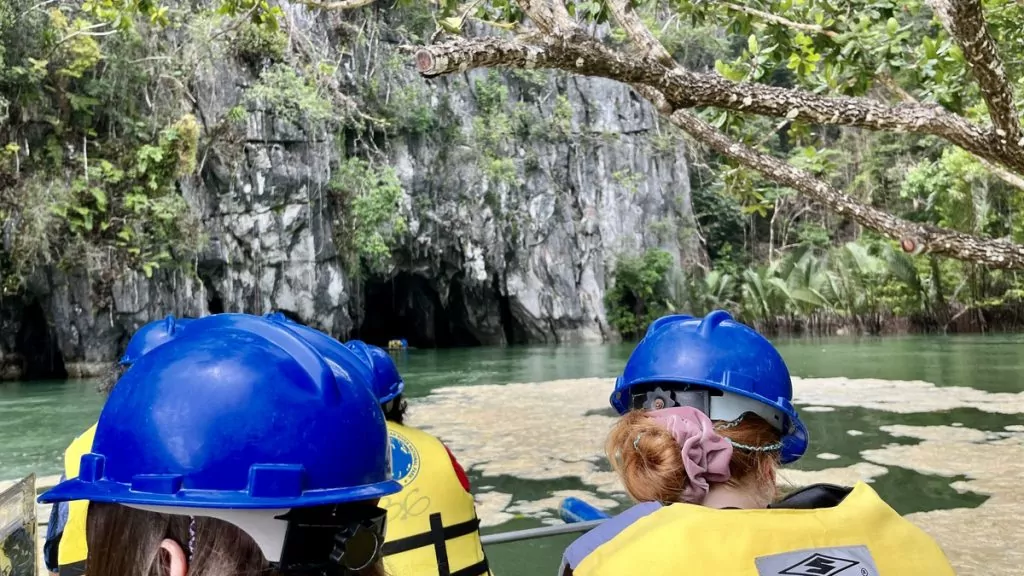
point(639, 33)
point(965, 22)
point(767, 16)
point(335, 5)
point(913, 235)
point(550, 16)
point(671, 88)
point(580, 54)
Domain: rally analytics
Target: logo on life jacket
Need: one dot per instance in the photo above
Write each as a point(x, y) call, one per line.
point(405, 459)
point(840, 561)
point(819, 565)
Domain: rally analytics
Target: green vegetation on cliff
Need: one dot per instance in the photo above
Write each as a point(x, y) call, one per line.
point(93, 146)
point(109, 111)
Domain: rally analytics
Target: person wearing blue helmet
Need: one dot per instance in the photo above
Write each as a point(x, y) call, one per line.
point(145, 339)
point(388, 384)
point(432, 523)
point(433, 528)
point(707, 416)
point(64, 549)
point(342, 359)
point(217, 453)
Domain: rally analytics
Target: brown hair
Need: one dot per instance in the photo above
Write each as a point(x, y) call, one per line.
point(650, 462)
point(109, 378)
point(125, 541)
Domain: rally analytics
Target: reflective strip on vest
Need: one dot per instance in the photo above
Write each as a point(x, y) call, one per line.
point(432, 528)
point(73, 550)
point(861, 536)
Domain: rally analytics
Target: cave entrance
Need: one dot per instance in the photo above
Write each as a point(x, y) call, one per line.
point(35, 343)
point(408, 306)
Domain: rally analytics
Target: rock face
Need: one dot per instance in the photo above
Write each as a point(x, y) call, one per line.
point(541, 244)
point(520, 190)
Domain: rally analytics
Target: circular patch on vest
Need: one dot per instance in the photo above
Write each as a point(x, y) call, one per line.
point(405, 459)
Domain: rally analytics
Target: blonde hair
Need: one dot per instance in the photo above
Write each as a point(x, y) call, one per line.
point(650, 462)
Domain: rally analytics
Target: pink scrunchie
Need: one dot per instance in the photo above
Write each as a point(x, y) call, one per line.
point(705, 453)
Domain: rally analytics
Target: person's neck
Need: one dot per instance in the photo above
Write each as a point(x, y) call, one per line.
point(728, 496)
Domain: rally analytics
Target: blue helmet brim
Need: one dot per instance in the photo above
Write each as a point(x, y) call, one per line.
point(391, 395)
point(116, 493)
point(794, 444)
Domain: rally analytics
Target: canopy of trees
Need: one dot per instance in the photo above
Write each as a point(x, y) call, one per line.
point(877, 65)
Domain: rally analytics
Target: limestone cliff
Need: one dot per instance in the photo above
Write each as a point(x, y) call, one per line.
point(519, 191)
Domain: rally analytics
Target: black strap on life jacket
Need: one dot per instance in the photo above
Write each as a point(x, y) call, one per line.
point(814, 496)
point(437, 537)
point(73, 569)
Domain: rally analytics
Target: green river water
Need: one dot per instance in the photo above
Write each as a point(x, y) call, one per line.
point(37, 420)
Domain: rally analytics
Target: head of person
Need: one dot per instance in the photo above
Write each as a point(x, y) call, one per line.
point(706, 403)
point(145, 339)
point(235, 449)
point(388, 384)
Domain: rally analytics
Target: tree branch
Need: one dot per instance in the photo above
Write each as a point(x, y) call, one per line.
point(812, 28)
point(580, 54)
point(1011, 178)
point(965, 22)
point(639, 33)
point(1003, 174)
point(914, 236)
point(550, 16)
point(336, 5)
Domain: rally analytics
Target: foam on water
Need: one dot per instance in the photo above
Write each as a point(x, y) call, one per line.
point(980, 541)
point(903, 397)
point(845, 476)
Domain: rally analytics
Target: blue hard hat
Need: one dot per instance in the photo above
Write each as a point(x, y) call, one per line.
point(387, 382)
point(238, 413)
point(717, 353)
point(151, 335)
point(342, 358)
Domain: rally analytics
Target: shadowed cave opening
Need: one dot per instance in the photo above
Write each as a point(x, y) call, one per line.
point(408, 306)
point(37, 346)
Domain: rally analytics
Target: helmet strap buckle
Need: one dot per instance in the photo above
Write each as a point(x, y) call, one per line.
point(659, 398)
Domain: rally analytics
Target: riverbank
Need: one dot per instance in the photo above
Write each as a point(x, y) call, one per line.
point(786, 330)
point(953, 319)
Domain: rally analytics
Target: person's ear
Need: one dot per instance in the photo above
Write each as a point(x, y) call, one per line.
point(178, 564)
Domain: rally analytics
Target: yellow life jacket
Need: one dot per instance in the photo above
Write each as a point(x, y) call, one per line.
point(432, 528)
point(862, 536)
point(73, 551)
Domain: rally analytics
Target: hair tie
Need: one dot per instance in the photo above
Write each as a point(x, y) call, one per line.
point(191, 537)
point(773, 447)
point(705, 453)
